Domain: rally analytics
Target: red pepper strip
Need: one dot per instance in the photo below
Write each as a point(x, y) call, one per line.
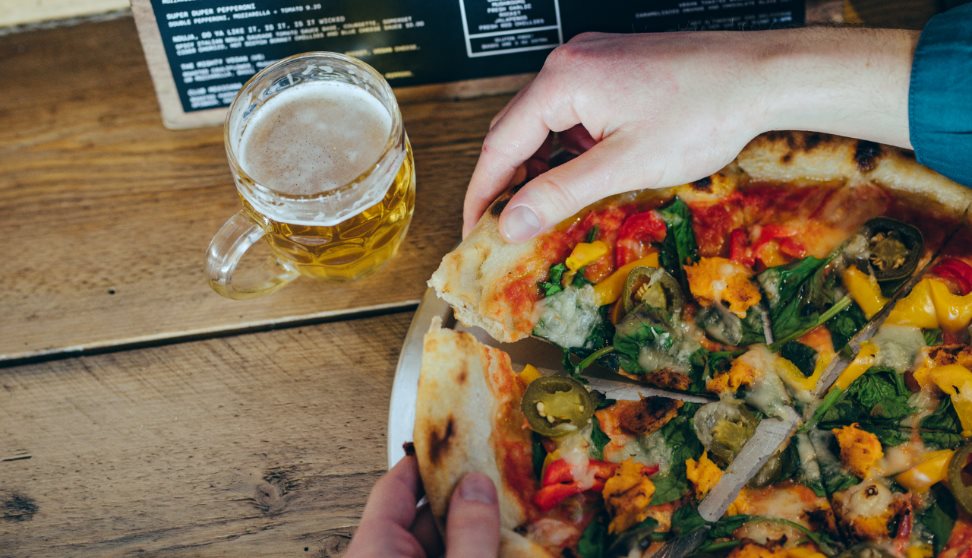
point(556, 472)
point(739, 250)
point(549, 497)
point(635, 233)
point(783, 237)
point(650, 469)
point(955, 271)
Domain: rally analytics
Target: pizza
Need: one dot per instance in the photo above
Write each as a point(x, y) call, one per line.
point(733, 294)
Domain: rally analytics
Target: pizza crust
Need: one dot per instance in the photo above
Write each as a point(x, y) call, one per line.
point(472, 277)
point(467, 415)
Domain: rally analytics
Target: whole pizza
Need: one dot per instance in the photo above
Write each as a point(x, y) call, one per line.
point(819, 286)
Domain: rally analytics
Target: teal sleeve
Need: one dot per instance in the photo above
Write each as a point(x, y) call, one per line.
point(940, 96)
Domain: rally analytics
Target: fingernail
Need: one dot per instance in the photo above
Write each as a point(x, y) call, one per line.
point(476, 487)
point(520, 223)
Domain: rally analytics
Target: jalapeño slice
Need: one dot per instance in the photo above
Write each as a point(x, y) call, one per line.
point(557, 405)
point(654, 287)
point(960, 477)
point(894, 248)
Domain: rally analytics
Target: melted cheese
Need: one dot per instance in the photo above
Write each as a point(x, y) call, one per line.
point(898, 346)
point(567, 317)
point(574, 449)
point(719, 279)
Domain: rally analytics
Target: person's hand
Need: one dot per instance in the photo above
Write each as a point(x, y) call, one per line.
point(666, 109)
point(392, 525)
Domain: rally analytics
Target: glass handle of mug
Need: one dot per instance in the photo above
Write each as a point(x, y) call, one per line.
point(237, 235)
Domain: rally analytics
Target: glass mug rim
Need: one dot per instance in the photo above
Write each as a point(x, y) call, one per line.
point(388, 161)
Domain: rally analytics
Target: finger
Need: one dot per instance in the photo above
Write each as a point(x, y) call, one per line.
point(472, 527)
point(607, 168)
point(394, 497)
point(426, 532)
point(506, 107)
point(512, 140)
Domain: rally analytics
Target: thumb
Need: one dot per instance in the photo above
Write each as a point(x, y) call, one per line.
point(607, 168)
point(472, 526)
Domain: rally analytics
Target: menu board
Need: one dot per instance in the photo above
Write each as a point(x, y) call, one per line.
point(201, 52)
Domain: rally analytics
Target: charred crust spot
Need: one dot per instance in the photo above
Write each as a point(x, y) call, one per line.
point(439, 444)
point(408, 448)
point(811, 141)
point(786, 158)
point(866, 155)
point(651, 414)
point(703, 184)
point(520, 529)
point(19, 508)
point(498, 206)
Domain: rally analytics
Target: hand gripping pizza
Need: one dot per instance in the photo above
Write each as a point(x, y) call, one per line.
point(738, 296)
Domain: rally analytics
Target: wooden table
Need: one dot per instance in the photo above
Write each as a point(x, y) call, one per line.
point(141, 413)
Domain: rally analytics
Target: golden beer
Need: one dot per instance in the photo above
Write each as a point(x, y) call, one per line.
point(325, 171)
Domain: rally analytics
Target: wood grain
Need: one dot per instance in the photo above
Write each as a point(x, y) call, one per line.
point(105, 216)
point(252, 445)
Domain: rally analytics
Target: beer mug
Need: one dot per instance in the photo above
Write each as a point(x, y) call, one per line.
point(324, 170)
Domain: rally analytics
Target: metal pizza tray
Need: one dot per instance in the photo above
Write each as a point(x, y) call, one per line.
point(401, 409)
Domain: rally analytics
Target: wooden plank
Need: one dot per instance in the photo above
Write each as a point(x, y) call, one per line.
point(254, 445)
point(105, 216)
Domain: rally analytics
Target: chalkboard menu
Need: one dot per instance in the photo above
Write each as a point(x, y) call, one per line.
point(202, 51)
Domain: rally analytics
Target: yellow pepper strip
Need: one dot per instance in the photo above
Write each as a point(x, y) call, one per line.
point(586, 253)
point(865, 359)
point(864, 289)
point(529, 373)
point(609, 289)
point(919, 550)
point(954, 311)
point(792, 376)
point(932, 469)
point(956, 381)
point(917, 309)
point(704, 474)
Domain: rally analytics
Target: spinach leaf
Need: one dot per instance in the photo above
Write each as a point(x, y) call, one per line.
point(803, 356)
point(594, 538)
point(706, 364)
point(942, 429)
point(598, 439)
point(786, 289)
point(553, 285)
point(932, 336)
point(637, 536)
point(685, 520)
point(580, 279)
point(628, 343)
point(592, 234)
point(845, 325)
point(878, 400)
point(680, 437)
point(679, 247)
point(939, 518)
point(539, 455)
point(726, 526)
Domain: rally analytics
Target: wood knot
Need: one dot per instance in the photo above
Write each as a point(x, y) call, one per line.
point(273, 493)
point(19, 508)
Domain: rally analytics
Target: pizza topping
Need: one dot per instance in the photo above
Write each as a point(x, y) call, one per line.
point(960, 477)
point(955, 271)
point(898, 346)
point(654, 287)
point(643, 417)
point(529, 373)
point(567, 317)
point(863, 361)
point(646, 341)
point(859, 450)
point(955, 381)
point(703, 474)
point(916, 309)
point(627, 495)
point(560, 481)
point(609, 289)
point(894, 248)
point(931, 470)
point(866, 508)
point(864, 289)
point(723, 427)
point(722, 280)
point(741, 373)
point(586, 253)
point(636, 234)
point(557, 405)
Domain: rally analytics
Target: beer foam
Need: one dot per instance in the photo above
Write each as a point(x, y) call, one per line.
point(314, 137)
